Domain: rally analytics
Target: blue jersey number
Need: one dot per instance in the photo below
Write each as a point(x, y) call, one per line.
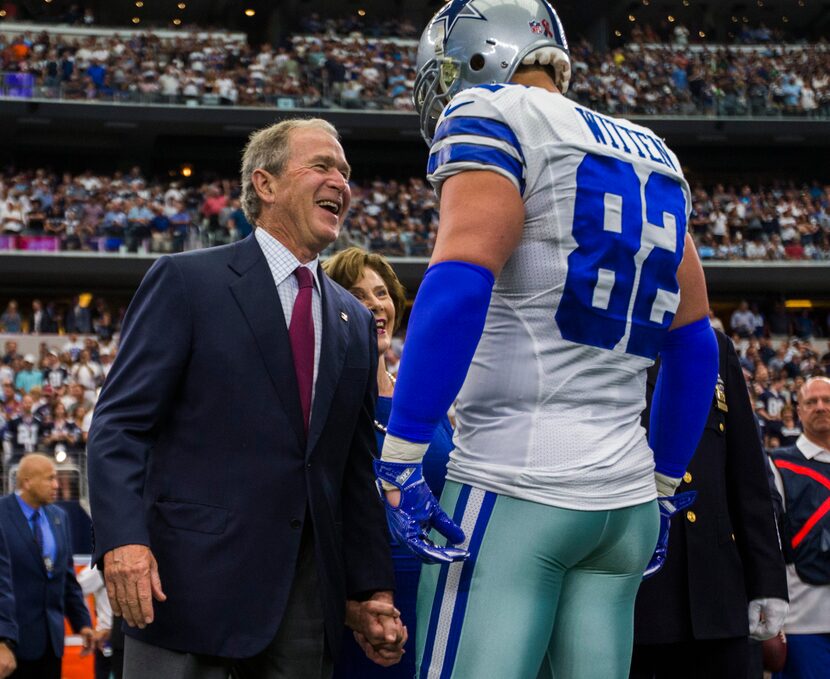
point(623, 264)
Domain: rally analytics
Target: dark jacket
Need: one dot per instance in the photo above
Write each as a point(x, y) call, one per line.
point(41, 602)
point(724, 551)
point(197, 449)
point(8, 615)
point(805, 526)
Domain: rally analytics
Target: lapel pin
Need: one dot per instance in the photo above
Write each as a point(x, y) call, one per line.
point(344, 316)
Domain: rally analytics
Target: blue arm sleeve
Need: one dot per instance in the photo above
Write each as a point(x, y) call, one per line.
point(446, 323)
point(683, 395)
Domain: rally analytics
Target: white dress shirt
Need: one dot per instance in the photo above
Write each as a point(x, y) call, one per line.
point(282, 263)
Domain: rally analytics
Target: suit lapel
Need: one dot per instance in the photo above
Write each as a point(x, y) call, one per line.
point(256, 294)
point(23, 527)
point(332, 356)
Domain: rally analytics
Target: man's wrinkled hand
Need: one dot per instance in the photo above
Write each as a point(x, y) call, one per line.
point(376, 619)
point(132, 578)
point(386, 655)
point(377, 628)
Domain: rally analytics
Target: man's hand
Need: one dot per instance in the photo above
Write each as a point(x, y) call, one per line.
point(8, 664)
point(88, 638)
point(412, 511)
point(132, 578)
point(377, 628)
point(669, 506)
point(386, 655)
point(766, 618)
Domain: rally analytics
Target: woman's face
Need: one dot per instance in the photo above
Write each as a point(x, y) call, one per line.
point(371, 291)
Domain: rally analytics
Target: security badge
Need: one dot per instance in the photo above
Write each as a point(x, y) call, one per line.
point(720, 395)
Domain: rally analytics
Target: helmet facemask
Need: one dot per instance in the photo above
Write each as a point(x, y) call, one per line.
point(487, 41)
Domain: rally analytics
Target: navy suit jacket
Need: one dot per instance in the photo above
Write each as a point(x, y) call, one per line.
point(41, 602)
point(8, 616)
point(197, 449)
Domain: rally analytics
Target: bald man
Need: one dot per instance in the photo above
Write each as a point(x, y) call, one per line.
point(43, 575)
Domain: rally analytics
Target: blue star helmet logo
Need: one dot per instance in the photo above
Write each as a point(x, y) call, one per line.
point(453, 12)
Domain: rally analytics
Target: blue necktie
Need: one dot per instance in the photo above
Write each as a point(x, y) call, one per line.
point(37, 531)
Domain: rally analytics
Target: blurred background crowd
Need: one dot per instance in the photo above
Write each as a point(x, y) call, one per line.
point(332, 64)
point(40, 209)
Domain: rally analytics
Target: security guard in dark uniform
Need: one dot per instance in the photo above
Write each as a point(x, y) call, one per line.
point(691, 618)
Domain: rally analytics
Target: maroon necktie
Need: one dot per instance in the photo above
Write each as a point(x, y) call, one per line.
point(301, 334)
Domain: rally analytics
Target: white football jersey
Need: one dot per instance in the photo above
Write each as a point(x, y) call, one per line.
point(550, 409)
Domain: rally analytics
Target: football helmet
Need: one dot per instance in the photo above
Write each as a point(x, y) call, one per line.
point(475, 42)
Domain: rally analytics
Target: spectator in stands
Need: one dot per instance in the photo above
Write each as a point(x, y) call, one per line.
point(788, 430)
point(716, 322)
point(76, 397)
point(10, 351)
point(742, 320)
point(12, 214)
point(45, 587)
point(802, 472)
point(778, 320)
point(82, 418)
point(78, 318)
point(41, 320)
point(238, 224)
point(803, 326)
point(29, 376)
point(757, 321)
point(10, 320)
point(73, 346)
point(139, 217)
point(23, 431)
point(62, 434)
point(86, 372)
point(54, 374)
point(10, 400)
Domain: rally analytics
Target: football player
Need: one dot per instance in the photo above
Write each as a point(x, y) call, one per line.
point(561, 269)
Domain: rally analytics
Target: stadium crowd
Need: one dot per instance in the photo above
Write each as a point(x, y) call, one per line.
point(324, 69)
point(43, 210)
point(46, 400)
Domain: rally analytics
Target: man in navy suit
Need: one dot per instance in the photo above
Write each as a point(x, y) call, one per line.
point(43, 575)
point(230, 456)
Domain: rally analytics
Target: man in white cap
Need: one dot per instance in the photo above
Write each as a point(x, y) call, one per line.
point(30, 376)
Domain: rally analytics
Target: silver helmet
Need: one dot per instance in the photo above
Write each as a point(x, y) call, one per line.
point(475, 42)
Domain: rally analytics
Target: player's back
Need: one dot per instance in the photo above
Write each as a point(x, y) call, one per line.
point(551, 406)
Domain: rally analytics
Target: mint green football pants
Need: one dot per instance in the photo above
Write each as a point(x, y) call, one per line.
point(547, 593)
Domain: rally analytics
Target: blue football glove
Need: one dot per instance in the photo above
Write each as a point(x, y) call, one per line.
point(669, 506)
point(418, 512)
